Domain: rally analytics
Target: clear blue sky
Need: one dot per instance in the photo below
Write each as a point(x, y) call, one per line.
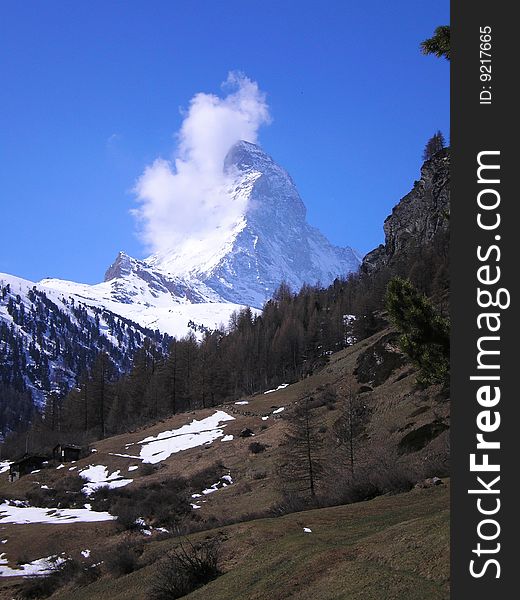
point(90, 94)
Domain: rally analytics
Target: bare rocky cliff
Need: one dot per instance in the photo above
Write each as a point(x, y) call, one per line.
point(418, 218)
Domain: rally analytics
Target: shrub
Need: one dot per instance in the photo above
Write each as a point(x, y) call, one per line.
point(257, 447)
point(162, 503)
point(123, 559)
point(207, 476)
point(67, 493)
point(147, 469)
point(327, 396)
point(186, 568)
point(383, 475)
point(128, 512)
point(418, 438)
point(375, 364)
point(87, 575)
point(291, 503)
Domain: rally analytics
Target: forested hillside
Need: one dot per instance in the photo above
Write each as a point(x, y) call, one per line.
point(48, 344)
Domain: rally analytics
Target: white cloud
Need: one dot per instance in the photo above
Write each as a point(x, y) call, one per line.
point(185, 197)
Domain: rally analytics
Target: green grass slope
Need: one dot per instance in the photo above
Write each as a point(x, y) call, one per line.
point(392, 547)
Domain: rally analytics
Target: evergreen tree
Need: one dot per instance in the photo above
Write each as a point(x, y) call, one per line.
point(435, 144)
point(425, 335)
point(439, 43)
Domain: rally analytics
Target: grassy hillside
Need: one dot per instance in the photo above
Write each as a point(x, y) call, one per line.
point(392, 547)
point(395, 546)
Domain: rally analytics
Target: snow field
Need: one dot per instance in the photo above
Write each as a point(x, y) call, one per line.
point(155, 449)
point(33, 514)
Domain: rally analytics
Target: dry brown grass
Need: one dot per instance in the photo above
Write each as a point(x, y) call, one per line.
point(395, 408)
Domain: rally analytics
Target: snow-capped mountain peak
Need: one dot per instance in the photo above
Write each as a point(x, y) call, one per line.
point(203, 278)
point(245, 260)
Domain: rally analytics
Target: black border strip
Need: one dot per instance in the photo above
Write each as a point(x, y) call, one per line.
point(479, 128)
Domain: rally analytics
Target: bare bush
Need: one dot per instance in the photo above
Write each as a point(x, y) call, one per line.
point(291, 503)
point(123, 559)
point(257, 447)
point(186, 568)
point(213, 472)
point(66, 493)
point(162, 503)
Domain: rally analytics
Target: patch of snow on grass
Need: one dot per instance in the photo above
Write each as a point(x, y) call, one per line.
point(4, 466)
point(85, 553)
point(242, 402)
point(36, 568)
point(133, 467)
point(97, 476)
point(227, 438)
point(307, 530)
point(34, 514)
point(278, 410)
point(280, 387)
point(223, 482)
point(143, 527)
point(197, 433)
point(124, 455)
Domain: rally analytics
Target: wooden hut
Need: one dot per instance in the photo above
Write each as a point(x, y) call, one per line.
point(66, 452)
point(25, 465)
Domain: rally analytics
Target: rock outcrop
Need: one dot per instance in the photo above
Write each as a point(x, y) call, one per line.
point(418, 217)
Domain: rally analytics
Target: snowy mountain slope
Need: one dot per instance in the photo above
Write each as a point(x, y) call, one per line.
point(152, 299)
point(48, 339)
